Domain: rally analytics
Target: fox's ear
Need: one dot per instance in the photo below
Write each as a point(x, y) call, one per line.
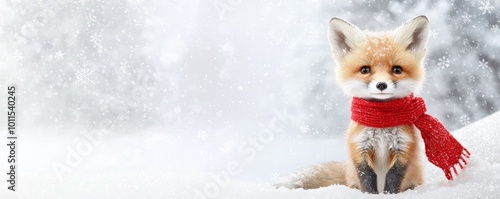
point(343, 37)
point(414, 35)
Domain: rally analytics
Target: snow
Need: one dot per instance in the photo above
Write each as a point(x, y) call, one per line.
point(147, 99)
point(160, 163)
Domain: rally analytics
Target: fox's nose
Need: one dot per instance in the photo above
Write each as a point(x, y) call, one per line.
point(381, 86)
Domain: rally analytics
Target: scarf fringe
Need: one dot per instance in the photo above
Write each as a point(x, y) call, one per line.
point(452, 172)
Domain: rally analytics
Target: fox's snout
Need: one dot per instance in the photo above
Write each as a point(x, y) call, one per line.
point(381, 86)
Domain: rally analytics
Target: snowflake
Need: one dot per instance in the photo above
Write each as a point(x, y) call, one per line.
point(472, 78)
point(328, 106)
point(443, 62)
point(177, 110)
point(124, 65)
point(202, 135)
point(91, 19)
point(315, 34)
point(464, 120)
point(59, 55)
point(275, 177)
point(227, 48)
point(18, 55)
point(96, 40)
point(196, 108)
point(219, 114)
point(170, 57)
point(224, 74)
point(325, 129)
point(433, 34)
point(465, 42)
point(304, 128)
point(121, 117)
point(466, 17)
point(486, 7)
point(495, 28)
point(84, 76)
point(483, 64)
point(227, 148)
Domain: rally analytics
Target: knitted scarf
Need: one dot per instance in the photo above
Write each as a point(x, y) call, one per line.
point(441, 148)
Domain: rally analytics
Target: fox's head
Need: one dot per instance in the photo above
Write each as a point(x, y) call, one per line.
point(381, 65)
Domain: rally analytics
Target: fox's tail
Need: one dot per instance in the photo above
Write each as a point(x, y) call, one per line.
point(313, 177)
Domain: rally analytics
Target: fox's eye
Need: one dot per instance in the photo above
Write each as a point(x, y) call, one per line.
point(397, 70)
point(365, 69)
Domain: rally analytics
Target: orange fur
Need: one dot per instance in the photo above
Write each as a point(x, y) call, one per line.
point(381, 53)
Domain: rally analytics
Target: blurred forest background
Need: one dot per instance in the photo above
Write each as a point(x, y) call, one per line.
point(223, 66)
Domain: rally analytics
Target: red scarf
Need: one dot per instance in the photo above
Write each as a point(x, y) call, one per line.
point(441, 148)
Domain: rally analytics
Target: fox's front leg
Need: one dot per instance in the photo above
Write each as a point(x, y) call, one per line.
point(396, 173)
point(360, 169)
point(366, 174)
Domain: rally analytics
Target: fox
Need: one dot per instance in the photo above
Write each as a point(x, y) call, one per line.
point(376, 66)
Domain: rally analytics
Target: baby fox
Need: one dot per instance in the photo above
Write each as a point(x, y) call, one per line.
point(381, 67)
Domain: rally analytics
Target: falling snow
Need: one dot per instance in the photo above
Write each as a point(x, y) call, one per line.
point(486, 7)
point(328, 106)
point(275, 177)
point(483, 64)
point(326, 129)
point(495, 28)
point(443, 62)
point(433, 34)
point(177, 110)
point(202, 135)
point(59, 55)
point(466, 18)
point(471, 78)
point(85, 76)
point(464, 120)
point(91, 19)
point(96, 40)
point(124, 66)
point(18, 55)
point(304, 128)
point(219, 114)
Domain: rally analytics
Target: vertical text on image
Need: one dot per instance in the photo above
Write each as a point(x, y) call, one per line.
point(11, 138)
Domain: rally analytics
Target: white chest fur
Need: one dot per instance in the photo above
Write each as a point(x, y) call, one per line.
point(382, 141)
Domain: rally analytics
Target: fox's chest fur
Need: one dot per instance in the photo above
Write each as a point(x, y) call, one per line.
point(382, 142)
point(387, 154)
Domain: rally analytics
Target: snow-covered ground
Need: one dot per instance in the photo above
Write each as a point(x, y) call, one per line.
point(162, 163)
